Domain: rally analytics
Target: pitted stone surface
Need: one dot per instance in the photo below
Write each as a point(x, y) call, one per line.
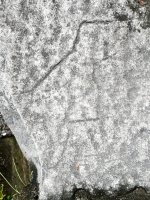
point(75, 90)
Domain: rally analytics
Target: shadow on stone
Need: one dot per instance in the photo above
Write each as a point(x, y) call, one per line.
point(136, 193)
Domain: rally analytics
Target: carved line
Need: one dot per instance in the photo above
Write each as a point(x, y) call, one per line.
point(85, 120)
point(73, 49)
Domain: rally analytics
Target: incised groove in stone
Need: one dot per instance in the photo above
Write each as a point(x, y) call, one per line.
point(73, 49)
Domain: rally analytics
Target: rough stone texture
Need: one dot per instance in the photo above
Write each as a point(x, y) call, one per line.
point(75, 90)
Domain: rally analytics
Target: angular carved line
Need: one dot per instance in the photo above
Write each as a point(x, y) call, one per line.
point(71, 51)
point(85, 120)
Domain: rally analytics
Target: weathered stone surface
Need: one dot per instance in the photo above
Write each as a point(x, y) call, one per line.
point(75, 90)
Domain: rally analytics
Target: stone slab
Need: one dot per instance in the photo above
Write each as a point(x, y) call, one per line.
point(75, 91)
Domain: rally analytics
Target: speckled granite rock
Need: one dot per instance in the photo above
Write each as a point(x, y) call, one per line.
point(75, 90)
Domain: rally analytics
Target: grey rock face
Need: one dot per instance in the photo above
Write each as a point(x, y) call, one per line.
point(75, 90)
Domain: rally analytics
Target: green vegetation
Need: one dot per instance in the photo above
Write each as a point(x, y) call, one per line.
point(18, 173)
point(3, 196)
point(15, 171)
point(9, 197)
point(1, 192)
point(9, 183)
